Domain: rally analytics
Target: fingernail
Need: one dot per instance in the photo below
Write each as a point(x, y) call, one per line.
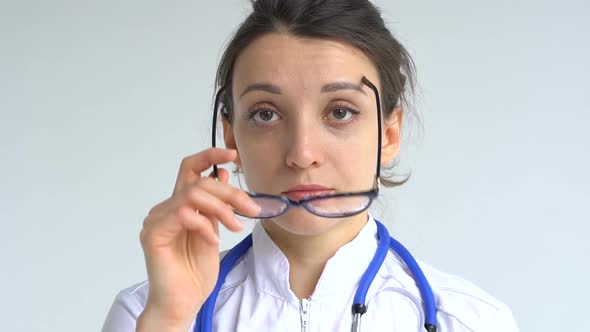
point(238, 222)
point(253, 206)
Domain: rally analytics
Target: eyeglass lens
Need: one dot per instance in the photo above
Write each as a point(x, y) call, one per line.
point(330, 207)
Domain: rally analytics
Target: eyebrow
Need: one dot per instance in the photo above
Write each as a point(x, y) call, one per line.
point(268, 87)
point(330, 87)
point(335, 86)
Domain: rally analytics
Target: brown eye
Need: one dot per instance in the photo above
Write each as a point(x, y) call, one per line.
point(264, 116)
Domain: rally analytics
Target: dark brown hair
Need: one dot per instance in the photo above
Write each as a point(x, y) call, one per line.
point(355, 22)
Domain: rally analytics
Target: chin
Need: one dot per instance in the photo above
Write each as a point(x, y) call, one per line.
point(300, 222)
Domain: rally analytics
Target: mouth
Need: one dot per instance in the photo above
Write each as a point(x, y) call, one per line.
point(300, 192)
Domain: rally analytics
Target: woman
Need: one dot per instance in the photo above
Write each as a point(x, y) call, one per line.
point(305, 89)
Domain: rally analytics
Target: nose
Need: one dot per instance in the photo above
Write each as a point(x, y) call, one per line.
point(304, 145)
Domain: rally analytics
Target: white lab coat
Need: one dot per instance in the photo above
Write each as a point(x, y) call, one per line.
point(256, 295)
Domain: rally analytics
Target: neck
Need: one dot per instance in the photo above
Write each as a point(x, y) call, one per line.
point(307, 254)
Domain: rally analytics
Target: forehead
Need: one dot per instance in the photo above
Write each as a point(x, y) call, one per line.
point(300, 63)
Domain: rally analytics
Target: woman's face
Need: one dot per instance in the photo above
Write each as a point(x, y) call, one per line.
point(291, 127)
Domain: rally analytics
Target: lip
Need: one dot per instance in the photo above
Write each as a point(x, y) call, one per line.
point(302, 191)
point(306, 187)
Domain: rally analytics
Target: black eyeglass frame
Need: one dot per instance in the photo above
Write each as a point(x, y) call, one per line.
point(370, 194)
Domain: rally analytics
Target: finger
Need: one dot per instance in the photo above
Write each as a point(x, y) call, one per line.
point(161, 233)
point(231, 195)
point(165, 206)
point(222, 174)
point(192, 166)
point(214, 207)
point(198, 223)
point(158, 208)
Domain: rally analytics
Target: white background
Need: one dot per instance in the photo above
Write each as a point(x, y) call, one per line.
point(100, 101)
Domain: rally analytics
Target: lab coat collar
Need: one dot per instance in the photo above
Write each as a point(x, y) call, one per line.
point(342, 272)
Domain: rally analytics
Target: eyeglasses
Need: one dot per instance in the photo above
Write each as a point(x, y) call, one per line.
point(335, 205)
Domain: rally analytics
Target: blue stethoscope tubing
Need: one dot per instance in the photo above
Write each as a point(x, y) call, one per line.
point(204, 322)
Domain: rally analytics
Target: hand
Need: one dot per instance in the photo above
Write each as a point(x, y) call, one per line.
point(180, 238)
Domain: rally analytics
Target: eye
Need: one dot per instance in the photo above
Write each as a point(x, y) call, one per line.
point(263, 115)
point(342, 113)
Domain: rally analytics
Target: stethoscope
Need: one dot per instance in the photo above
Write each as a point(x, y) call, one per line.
point(204, 322)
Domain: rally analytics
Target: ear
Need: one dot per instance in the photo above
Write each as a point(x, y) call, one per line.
point(391, 139)
point(230, 141)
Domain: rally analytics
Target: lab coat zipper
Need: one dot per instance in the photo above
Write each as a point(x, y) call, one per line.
point(304, 311)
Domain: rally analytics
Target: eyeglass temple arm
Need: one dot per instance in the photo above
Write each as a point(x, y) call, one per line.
point(213, 131)
point(379, 128)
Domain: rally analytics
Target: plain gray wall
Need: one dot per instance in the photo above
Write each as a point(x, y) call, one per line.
point(101, 100)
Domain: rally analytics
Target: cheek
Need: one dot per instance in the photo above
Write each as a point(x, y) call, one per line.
point(357, 162)
point(361, 160)
point(257, 156)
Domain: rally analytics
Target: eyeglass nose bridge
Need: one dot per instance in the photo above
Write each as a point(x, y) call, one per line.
point(296, 202)
point(306, 204)
point(290, 203)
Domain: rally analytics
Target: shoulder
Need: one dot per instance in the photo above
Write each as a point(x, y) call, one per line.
point(128, 305)
point(126, 308)
point(459, 302)
point(138, 292)
point(134, 297)
point(466, 303)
